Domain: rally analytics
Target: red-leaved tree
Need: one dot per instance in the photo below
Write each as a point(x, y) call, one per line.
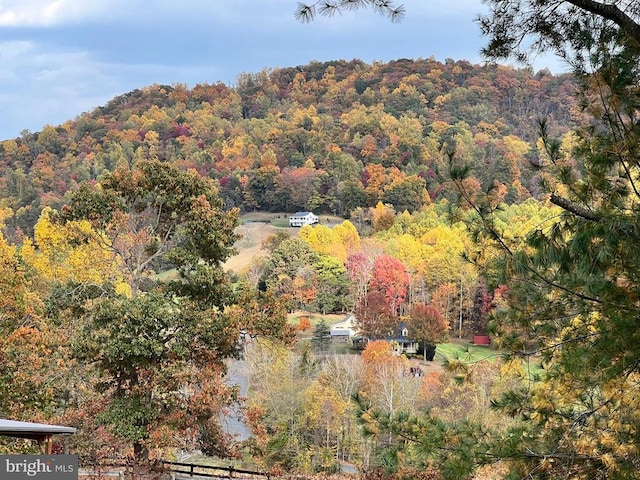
point(375, 320)
point(390, 277)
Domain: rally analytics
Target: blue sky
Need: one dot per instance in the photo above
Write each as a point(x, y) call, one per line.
point(60, 58)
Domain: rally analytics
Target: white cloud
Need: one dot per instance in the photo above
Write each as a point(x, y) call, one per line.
point(42, 13)
point(48, 13)
point(41, 86)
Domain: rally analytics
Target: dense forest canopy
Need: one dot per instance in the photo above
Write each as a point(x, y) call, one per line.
point(327, 136)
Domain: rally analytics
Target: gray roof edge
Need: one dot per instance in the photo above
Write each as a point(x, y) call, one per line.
point(13, 426)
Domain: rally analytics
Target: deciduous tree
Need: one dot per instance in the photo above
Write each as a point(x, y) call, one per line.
point(390, 277)
point(332, 285)
point(427, 325)
point(360, 271)
point(69, 253)
point(375, 319)
point(158, 351)
point(155, 217)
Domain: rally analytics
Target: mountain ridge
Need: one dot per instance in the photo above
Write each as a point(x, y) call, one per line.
point(328, 136)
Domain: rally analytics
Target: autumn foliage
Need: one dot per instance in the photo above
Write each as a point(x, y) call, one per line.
point(303, 324)
point(117, 315)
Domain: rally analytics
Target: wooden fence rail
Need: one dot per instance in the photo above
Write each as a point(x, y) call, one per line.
point(190, 470)
point(197, 470)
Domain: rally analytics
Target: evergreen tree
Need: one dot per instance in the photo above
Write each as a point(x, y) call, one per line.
point(307, 11)
point(321, 338)
point(573, 297)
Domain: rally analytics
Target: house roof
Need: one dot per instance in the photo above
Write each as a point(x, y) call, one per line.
point(348, 321)
point(336, 332)
point(34, 431)
point(301, 214)
point(347, 324)
point(401, 340)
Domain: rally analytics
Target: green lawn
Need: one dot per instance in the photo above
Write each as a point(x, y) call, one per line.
point(281, 219)
point(265, 217)
point(467, 353)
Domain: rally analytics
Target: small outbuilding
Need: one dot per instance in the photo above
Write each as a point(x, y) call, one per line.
point(300, 219)
point(345, 330)
point(41, 432)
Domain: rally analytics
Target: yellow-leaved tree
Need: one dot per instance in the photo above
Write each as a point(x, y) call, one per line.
point(28, 346)
point(70, 252)
point(337, 242)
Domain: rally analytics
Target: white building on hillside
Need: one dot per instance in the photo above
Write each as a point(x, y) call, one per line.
point(300, 219)
point(345, 330)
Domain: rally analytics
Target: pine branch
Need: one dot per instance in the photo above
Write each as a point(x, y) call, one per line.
point(610, 12)
point(574, 208)
point(537, 351)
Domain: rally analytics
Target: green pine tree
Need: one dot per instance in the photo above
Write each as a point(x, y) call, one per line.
point(321, 338)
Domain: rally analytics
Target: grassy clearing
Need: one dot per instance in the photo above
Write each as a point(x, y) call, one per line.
point(255, 227)
point(467, 353)
point(315, 318)
point(263, 217)
point(281, 219)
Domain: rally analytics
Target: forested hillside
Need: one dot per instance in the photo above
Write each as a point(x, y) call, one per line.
point(328, 137)
point(116, 228)
point(466, 202)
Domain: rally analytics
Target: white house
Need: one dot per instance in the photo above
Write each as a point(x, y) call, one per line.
point(345, 330)
point(300, 219)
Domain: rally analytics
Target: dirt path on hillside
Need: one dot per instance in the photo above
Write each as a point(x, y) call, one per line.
point(250, 244)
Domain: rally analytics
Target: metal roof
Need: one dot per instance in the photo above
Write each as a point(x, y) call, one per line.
point(31, 430)
point(341, 331)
